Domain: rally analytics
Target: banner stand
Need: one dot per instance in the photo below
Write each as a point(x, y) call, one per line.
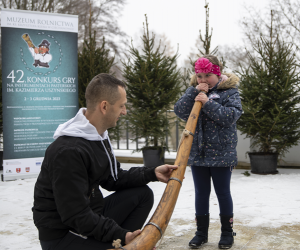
point(39, 85)
point(16, 176)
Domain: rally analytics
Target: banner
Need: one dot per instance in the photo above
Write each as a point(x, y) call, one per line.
point(39, 85)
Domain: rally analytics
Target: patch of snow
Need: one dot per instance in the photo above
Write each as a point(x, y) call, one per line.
point(259, 200)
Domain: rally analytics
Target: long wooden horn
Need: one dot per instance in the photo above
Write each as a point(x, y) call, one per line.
point(157, 225)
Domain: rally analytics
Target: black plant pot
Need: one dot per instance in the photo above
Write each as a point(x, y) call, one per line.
point(263, 163)
point(153, 157)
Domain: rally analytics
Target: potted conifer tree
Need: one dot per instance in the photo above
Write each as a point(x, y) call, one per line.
point(153, 86)
point(270, 97)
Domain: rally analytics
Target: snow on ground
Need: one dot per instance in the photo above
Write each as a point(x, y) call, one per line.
point(259, 200)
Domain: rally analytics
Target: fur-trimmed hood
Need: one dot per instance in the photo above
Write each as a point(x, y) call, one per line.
point(231, 82)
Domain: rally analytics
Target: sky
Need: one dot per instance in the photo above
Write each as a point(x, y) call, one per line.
point(277, 205)
point(182, 20)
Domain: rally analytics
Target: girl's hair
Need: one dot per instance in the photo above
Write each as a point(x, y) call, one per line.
point(214, 60)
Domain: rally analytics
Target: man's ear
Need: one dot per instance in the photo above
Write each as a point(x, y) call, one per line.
point(102, 106)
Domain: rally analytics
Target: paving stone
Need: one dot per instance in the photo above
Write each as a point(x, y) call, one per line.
point(248, 238)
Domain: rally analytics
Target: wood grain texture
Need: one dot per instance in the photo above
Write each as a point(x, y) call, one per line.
point(150, 235)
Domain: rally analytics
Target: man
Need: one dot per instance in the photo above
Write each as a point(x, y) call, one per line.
point(69, 209)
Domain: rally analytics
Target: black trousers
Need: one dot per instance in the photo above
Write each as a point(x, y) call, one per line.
point(221, 177)
point(129, 208)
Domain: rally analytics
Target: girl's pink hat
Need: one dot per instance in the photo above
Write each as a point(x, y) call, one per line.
point(203, 65)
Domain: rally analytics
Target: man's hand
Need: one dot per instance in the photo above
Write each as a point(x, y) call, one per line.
point(202, 98)
point(202, 87)
point(164, 172)
point(130, 236)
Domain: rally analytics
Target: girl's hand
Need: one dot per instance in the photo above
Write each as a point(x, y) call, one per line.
point(202, 87)
point(224, 78)
point(202, 98)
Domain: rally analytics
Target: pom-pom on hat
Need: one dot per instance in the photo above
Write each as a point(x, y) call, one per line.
point(203, 65)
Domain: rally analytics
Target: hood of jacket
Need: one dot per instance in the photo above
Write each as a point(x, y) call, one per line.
point(231, 82)
point(79, 126)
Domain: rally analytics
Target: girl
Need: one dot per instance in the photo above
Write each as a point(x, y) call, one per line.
point(213, 154)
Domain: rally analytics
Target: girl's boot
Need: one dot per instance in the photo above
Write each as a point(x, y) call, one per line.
point(227, 234)
point(202, 231)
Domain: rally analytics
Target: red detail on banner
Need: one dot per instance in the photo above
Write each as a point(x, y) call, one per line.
point(18, 170)
point(27, 169)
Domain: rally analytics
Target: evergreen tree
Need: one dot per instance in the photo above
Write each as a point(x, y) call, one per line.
point(270, 96)
point(153, 86)
point(207, 40)
point(205, 44)
point(92, 60)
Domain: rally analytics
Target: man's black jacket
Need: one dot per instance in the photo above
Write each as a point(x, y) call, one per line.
point(67, 195)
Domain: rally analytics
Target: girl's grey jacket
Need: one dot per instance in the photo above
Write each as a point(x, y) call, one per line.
point(215, 138)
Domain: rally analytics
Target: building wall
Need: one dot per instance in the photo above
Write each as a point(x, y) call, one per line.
point(243, 147)
point(291, 159)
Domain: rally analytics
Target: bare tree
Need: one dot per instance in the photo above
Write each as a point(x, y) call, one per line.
point(104, 19)
point(193, 54)
point(288, 13)
point(257, 23)
point(284, 19)
point(207, 39)
point(104, 16)
point(285, 22)
point(202, 45)
point(165, 44)
point(161, 41)
point(34, 5)
point(234, 55)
